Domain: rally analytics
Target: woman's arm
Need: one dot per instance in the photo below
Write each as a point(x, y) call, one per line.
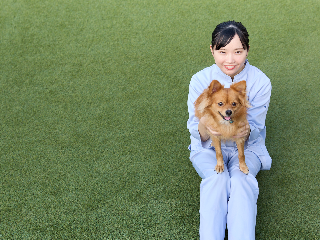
point(197, 128)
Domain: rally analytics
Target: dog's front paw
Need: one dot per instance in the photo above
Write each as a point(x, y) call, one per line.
point(219, 168)
point(244, 168)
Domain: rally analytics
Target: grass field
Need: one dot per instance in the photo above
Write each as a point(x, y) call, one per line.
point(94, 107)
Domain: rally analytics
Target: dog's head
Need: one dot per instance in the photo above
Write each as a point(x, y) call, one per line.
point(223, 103)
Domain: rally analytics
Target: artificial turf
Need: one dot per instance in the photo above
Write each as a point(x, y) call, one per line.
point(93, 116)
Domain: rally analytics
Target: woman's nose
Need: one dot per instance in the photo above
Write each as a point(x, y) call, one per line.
point(230, 58)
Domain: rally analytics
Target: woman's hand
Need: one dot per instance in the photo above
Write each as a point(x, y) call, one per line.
point(204, 129)
point(213, 132)
point(244, 131)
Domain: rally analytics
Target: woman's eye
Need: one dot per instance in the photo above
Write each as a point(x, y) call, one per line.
point(234, 104)
point(220, 104)
point(222, 52)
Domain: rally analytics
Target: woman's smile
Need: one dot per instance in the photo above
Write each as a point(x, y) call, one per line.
point(229, 67)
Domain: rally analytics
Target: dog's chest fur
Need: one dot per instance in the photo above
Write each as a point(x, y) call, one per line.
point(227, 129)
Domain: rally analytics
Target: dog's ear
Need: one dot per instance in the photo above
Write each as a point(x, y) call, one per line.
point(205, 99)
point(215, 86)
point(240, 86)
point(200, 105)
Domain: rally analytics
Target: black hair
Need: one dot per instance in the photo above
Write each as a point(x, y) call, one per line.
point(224, 33)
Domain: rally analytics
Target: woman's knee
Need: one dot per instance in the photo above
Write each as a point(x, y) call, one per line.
point(252, 160)
point(205, 162)
point(244, 184)
point(218, 182)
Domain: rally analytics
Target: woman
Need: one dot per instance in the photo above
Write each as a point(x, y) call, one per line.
point(230, 198)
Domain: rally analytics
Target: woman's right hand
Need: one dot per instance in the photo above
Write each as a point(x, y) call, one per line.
point(204, 129)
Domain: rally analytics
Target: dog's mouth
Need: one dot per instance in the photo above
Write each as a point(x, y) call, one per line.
point(226, 117)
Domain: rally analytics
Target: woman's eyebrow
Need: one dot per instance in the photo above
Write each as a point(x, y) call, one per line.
point(234, 49)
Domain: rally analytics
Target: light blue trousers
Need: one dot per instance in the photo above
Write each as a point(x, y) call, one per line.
point(228, 198)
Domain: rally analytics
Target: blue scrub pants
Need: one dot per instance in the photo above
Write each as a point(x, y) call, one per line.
point(229, 197)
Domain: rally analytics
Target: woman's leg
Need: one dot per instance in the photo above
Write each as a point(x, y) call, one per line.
point(214, 193)
point(242, 205)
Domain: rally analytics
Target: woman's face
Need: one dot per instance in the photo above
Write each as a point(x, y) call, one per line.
point(231, 58)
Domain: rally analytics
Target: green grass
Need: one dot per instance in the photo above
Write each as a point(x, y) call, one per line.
point(93, 116)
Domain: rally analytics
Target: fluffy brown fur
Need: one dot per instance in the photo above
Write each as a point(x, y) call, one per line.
point(227, 109)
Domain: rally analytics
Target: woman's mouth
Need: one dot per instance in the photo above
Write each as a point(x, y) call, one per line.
point(229, 67)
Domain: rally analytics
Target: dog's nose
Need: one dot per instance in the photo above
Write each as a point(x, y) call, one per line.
point(228, 112)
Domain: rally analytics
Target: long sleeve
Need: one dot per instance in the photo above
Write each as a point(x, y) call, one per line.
point(259, 96)
point(193, 121)
point(198, 83)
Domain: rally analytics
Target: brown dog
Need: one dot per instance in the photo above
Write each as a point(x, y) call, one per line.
point(227, 111)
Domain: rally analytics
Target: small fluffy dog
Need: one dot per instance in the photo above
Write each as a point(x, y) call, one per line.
point(227, 109)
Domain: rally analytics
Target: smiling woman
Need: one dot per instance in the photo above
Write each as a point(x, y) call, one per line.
point(229, 197)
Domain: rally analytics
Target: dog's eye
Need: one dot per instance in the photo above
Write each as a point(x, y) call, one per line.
point(234, 104)
point(220, 104)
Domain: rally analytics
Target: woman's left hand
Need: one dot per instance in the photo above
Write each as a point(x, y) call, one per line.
point(244, 131)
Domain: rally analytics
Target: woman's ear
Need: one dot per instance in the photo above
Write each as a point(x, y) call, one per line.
point(211, 48)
